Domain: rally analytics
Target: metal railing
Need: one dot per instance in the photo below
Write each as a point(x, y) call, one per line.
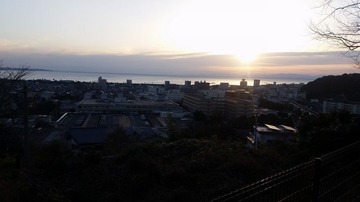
point(332, 177)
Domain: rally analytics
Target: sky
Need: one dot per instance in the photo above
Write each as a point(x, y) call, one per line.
point(183, 37)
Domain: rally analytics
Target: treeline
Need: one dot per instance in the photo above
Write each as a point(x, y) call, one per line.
point(345, 87)
point(206, 159)
point(197, 167)
point(182, 170)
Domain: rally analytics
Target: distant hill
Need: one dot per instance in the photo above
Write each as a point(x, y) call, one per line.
point(346, 87)
point(14, 68)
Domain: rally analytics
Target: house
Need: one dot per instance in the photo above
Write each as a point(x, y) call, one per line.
point(87, 138)
point(270, 133)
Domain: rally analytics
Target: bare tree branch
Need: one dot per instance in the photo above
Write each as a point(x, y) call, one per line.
point(9, 78)
point(339, 25)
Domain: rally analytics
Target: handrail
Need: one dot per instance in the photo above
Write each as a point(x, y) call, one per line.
point(309, 180)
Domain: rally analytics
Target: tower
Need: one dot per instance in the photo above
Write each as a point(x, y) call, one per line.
point(243, 83)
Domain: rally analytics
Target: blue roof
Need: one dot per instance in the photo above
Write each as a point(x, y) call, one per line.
point(89, 136)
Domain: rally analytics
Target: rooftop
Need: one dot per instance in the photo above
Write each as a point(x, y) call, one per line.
point(88, 136)
point(268, 128)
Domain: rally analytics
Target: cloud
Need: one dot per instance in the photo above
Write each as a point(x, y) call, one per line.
point(303, 58)
point(182, 64)
point(195, 64)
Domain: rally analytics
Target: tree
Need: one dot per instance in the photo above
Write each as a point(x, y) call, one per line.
point(339, 24)
point(11, 105)
point(9, 79)
point(12, 73)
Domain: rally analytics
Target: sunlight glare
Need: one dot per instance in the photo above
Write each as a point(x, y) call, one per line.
point(246, 57)
point(244, 29)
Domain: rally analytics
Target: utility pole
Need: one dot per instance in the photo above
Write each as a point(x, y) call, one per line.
point(255, 131)
point(26, 143)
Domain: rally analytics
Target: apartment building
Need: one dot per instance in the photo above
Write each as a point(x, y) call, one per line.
point(233, 103)
point(335, 106)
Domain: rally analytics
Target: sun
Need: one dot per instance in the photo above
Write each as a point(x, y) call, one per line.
point(229, 32)
point(246, 57)
point(244, 29)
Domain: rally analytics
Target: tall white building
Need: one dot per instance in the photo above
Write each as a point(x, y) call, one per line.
point(243, 83)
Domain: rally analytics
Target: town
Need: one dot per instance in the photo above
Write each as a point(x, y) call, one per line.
point(142, 110)
point(196, 121)
point(176, 101)
point(86, 112)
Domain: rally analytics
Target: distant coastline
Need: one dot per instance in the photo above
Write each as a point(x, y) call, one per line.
point(30, 69)
point(204, 76)
point(174, 79)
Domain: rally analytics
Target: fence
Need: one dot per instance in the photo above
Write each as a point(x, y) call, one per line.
point(332, 177)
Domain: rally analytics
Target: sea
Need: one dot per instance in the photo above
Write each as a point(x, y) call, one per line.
point(160, 79)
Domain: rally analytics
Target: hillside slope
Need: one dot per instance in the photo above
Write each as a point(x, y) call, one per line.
point(346, 87)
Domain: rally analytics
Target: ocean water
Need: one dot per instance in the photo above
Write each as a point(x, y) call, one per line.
point(160, 79)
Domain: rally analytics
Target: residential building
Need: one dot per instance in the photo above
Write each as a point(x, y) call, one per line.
point(187, 84)
point(204, 103)
point(256, 83)
point(233, 103)
point(270, 133)
point(202, 85)
point(102, 83)
point(127, 106)
point(82, 139)
point(329, 106)
point(224, 86)
point(243, 83)
point(239, 103)
point(175, 95)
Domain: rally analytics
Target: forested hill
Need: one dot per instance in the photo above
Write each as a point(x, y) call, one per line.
point(346, 86)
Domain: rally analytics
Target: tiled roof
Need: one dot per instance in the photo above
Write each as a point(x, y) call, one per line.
point(89, 136)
